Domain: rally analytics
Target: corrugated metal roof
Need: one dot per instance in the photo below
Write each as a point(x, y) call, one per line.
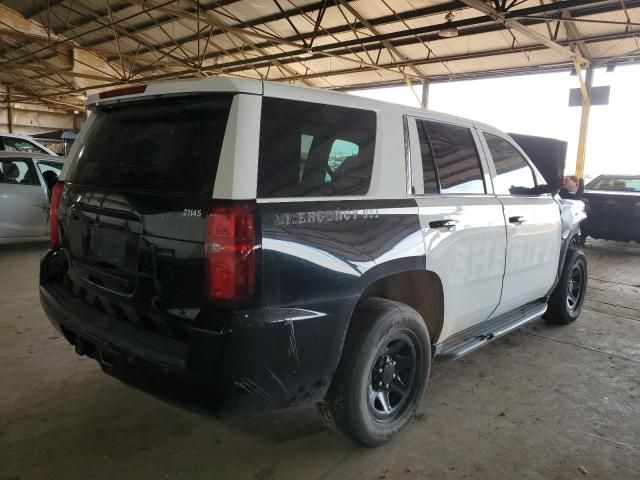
point(67, 47)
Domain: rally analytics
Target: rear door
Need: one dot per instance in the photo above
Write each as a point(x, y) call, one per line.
point(533, 224)
point(462, 222)
point(135, 204)
point(23, 205)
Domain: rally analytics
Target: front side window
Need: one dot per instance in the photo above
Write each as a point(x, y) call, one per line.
point(456, 158)
point(17, 172)
point(513, 174)
point(310, 149)
point(20, 145)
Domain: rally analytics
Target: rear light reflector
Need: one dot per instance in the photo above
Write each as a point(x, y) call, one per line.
point(230, 253)
point(54, 216)
point(119, 92)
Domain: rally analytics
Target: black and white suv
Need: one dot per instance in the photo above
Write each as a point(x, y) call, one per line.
point(237, 245)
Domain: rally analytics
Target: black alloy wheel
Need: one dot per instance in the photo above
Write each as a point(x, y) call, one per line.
point(393, 377)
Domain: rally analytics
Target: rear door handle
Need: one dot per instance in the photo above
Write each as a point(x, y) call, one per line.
point(517, 219)
point(443, 224)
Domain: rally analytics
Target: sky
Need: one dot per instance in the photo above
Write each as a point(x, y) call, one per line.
point(538, 105)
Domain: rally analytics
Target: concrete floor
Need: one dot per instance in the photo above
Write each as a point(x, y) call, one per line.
point(542, 403)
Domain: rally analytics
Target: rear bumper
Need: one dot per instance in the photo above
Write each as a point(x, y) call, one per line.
point(149, 362)
point(266, 358)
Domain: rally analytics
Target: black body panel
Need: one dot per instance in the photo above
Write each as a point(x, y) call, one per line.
point(612, 215)
point(316, 258)
point(135, 255)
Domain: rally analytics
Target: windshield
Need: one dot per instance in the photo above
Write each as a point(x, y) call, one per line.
point(163, 144)
point(616, 183)
point(12, 144)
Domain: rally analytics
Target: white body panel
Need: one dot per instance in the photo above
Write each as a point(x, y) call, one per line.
point(238, 165)
point(469, 258)
point(24, 208)
point(533, 249)
point(23, 211)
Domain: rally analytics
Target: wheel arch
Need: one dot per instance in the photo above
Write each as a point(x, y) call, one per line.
point(421, 290)
point(566, 244)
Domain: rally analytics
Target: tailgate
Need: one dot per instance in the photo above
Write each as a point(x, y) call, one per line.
point(134, 212)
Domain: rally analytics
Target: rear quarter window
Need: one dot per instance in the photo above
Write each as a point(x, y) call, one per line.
point(311, 149)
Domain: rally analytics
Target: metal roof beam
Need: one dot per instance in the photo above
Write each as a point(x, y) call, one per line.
point(500, 17)
point(168, 19)
point(574, 35)
point(74, 38)
point(357, 43)
point(433, 60)
point(472, 56)
point(477, 74)
point(29, 14)
point(407, 37)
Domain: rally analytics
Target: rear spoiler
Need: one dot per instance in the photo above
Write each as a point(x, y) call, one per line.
point(549, 155)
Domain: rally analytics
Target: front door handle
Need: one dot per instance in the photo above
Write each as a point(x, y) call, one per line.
point(517, 220)
point(449, 224)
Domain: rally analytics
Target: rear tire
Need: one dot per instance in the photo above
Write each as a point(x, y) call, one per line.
point(565, 303)
point(383, 372)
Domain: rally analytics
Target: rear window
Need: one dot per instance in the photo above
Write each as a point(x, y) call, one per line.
point(310, 149)
point(166, 144)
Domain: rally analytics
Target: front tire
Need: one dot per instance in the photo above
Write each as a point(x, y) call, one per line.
point(383, 372)
point(565, 303)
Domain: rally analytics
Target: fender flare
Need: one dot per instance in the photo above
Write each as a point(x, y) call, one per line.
point(566, 243)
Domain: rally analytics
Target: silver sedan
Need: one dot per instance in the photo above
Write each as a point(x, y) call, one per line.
point(26, 179)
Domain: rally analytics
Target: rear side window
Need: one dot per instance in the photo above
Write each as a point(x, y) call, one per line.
point(513, 174)
point(428, 165)
point(310, 149)
point(166, 144)
point(456, 158)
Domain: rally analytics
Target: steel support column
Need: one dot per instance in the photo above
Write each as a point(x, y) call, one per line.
point(425, 94)
point(9, 112)
point(585, 88)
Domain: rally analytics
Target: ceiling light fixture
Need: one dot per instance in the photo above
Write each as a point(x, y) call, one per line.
point(449, 31)
point(307, 54)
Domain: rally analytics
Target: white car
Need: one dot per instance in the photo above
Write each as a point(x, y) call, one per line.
point(25, 187)
point(12, 142)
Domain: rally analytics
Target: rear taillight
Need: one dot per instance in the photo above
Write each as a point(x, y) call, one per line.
point(231, 253)
point(54, 217)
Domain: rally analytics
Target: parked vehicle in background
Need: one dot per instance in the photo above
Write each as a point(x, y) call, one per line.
point(26, 180)
point(613, 208)
point(239, 245)
point(12, 142)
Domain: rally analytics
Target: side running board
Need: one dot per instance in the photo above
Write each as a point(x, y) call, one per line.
point(479, 335)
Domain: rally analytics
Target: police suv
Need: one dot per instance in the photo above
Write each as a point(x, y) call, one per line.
point(237, 245)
